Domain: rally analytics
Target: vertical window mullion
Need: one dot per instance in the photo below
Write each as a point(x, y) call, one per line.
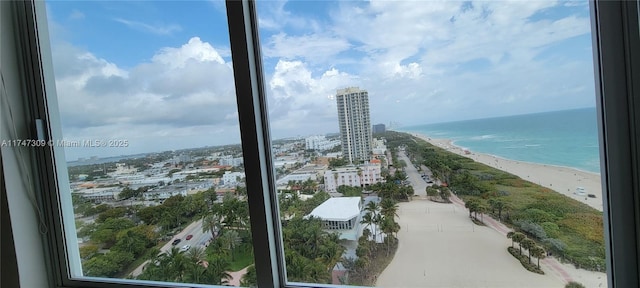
point(256, 146)
point(615, 33)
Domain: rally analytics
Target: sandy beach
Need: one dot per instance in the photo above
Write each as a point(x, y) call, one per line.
point(560, 179)
point(440, 247)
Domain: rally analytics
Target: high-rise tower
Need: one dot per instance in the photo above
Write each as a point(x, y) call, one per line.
point(355, 123)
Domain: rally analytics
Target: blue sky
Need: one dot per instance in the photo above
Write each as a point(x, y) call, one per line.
point(158, 73)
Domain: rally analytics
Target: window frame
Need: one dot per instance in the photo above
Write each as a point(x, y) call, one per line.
point(615, 36)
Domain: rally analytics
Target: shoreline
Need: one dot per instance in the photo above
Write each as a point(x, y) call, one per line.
point(564, 180)
point(453, 143)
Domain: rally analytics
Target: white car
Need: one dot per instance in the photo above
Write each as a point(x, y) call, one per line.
point(185, 248)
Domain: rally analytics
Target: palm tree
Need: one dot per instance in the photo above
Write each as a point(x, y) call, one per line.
point(389, 226)
point(472, 205)
point(216, 272)
point(389, 208)
point(528, 244)
point(481, 209)
point(510, 236)
point(231, 240)
point(499, 205)
point(518, 237)
point(211, 223)
point(178, 264)
point(373, 207)
point(196, 254)
point(538, 252)
point(196, 274)
point(368, 220)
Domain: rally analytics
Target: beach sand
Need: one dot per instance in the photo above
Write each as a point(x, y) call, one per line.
point(560, 179)
point(440, 247)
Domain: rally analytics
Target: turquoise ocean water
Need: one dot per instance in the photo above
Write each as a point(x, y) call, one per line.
point(565, 138)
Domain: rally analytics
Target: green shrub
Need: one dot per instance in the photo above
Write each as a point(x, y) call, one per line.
point(524, 260)
point(551, 229)
point(573, 284)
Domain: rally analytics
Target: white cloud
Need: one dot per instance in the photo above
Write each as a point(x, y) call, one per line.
point(324, 48)
point(421, 61)
point(298, 98)
point(76, 15)
point(194, 50)
point(273, 16)
point(158, 29)
point(186, 93)
point(429, 61)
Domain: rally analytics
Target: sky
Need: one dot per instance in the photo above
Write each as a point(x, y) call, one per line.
point(159, 73)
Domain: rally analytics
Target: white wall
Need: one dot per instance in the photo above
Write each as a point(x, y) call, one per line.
point(28, 241)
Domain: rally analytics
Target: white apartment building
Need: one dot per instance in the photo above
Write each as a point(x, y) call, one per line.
point(99, 194)
point(320, 142)
point(231, 178)
point(296, 177)
point(379, 147)
point(361, 176)
point(165, 192)
point(355, 123)
point(229, 160)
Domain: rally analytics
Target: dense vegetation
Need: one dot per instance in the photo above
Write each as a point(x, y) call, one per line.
point(374, 255)
point(569, 229)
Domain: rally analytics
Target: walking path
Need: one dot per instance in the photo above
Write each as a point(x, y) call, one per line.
point(236, 276)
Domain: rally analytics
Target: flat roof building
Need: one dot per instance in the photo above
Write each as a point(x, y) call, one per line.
point(341, 214)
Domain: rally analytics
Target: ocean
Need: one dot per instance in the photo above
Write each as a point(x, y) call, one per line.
point(565, 138)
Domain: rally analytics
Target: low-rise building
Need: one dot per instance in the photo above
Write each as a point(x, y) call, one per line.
point(232, 178)
point(321, 143)
point(99, 194)
point(231, 161)
point(355, 176)
point(341, 215)
point(165, 192)
point(379, 147)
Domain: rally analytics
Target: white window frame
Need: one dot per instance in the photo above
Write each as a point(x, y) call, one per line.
point(616, 42)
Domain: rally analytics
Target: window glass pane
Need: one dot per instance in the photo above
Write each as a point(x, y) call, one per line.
point(440, 129)
point(151, 138)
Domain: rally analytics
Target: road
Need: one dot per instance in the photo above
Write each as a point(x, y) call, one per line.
point(419, 185)
point(199, 239)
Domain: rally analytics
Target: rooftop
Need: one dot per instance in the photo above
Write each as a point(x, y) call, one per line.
point(338, 209)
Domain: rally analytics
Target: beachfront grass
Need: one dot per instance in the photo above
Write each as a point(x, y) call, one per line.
point(568, 228)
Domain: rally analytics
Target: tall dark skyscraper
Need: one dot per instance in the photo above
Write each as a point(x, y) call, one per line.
point(355, 123)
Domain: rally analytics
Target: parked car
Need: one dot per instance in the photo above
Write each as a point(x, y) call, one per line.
point(189, 237)
point(592, 196)
point(185, 248)
point(175, 242)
